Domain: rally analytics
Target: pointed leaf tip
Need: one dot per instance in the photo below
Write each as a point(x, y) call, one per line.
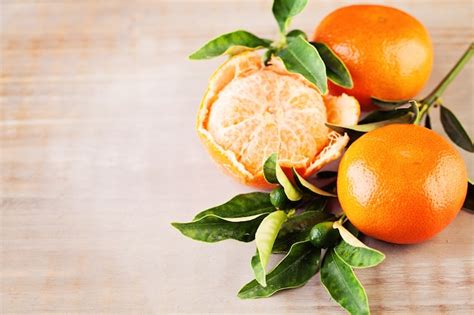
point(455, 130)
point(213, 229)
point(301, 57)
point(336, 70)
point(284, 10)
point(265, 238)
point(241, 206)
point(231, 43)
point(307, 185)
point(269, 169)
point(295, 269)
point(343, 285)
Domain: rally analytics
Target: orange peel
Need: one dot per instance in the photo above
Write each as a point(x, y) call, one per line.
point(251, 110)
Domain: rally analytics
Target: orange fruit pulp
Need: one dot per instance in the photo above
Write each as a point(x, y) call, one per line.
point(387, 51)
point(251, 110)
point(401, 183)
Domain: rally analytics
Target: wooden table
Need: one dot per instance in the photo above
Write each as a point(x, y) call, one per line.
point(98, 154)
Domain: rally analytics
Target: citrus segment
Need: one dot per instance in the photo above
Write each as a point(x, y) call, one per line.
point(251, 111)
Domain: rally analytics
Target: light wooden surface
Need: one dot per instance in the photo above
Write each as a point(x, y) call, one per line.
point(98, 154)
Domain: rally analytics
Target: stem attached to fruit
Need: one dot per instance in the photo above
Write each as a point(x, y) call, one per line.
point(432, 98)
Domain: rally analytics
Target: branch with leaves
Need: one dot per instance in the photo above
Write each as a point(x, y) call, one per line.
point(293, 219)
point(315, 61)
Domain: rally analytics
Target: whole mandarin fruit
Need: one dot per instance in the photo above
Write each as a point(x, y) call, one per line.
point(401, 183)
point(387, 51)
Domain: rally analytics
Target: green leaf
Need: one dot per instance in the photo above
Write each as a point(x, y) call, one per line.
point(243, 205)
point(336, 70)
point(469, 201)
point(301, 57)
point(348, 236)
point(379, 115)
point(388, 104)
point(264, 238)
point(297, 229)
point(258, 269)
point(455, 130)
point(291, 191)
point(214, 229)
point(294, 270)
point(354, 132)
point(273, 174)
point(355, 253)
point(427, 121)
point(303, 183)
point(232, 43)
point(351, 228)
point(315, 204)
point(269, 169)
point(284, 10)
point(358, 257)
point(296, 33)
point(343, 285)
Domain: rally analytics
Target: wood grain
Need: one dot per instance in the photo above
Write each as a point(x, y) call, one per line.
point(98, 154)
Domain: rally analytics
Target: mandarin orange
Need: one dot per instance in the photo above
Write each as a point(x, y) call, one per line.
point(252, 110)
point(401, 183)
point(387, 51)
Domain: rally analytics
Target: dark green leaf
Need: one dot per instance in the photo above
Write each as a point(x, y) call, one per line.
point(294, 270)
point(315, 204)
point(455, 130)
point(244, 205)
point(229, 43)
point(258, 270)
point(301, 57)
point(273, 174)
point(297, 229)
point(283, 244)
point(296, 33)
point(354, 132)
point(351, 228)
point(378, 115)
point(469, 201)
point(264, 238)
point(336, 70)
point(214, 229)
point(269, 169)
point(346, 230)
point(343, 285)
point(304, 184)
point(358, 257)
point(326, 174)
point(427, 121)
point(284, 10)
point(388, 104)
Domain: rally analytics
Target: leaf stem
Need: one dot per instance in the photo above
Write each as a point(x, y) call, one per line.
point(438, 91)
point(342, 218)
